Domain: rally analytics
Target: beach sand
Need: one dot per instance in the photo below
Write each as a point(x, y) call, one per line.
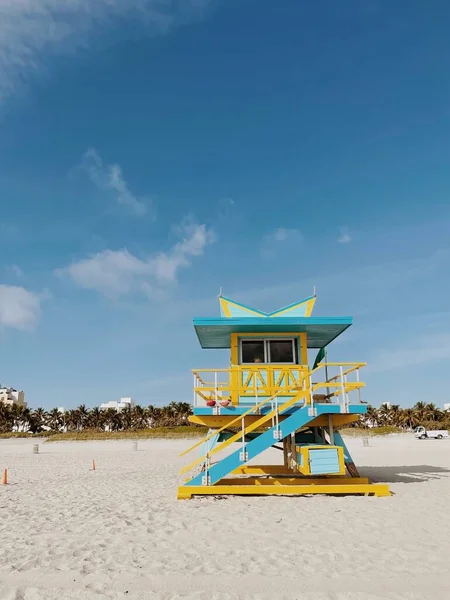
point(67, 532)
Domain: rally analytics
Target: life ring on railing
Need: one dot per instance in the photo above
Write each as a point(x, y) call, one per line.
point(224, 402)
point(211, 402)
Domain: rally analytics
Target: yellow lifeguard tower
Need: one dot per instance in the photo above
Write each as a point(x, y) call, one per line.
point(270, 397)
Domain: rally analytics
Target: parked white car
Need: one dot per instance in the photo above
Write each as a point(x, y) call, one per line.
point(436, 434)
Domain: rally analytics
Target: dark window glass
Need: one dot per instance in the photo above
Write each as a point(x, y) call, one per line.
point(252, 352)
point(281, 351)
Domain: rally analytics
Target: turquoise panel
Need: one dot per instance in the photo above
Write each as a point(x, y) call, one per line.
point(300, 459)
point(323, 461)
point(236, 311)
point(215, 333)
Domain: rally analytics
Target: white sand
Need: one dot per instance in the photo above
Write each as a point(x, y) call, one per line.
point(67, 532)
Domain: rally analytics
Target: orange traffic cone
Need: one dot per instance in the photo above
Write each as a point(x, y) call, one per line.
point(93, 465)
point(5, 477)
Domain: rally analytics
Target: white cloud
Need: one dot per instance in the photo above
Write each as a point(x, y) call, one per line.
point(33, 30)
point(118, 272)
point(19, 308)
point(272, 240)
point(345, 237)
point(109, 177)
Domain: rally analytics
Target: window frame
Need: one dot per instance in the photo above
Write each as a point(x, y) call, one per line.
point(266, 342)
point(249, 339)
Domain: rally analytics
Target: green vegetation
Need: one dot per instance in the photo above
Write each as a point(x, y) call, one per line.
point(172, 421)
point(129, 422)
point(427, 415)
point(140, 434)
point(369, 432)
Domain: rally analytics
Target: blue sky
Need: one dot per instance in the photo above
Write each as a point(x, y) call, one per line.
point(150, 156)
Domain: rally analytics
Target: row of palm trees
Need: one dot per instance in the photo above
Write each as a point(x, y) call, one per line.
point(19, 418)
point(427, 415)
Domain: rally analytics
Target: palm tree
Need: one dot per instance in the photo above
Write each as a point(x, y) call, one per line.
point(6, 418)
point(395, 415)
point(38, 418)
point(109, 418)
point(95, 419)
point(82, 414)
point(409, 418)
point(71, 420)
point(421, 411)
point(55, 419)
point(126, 415)
point(139, 417)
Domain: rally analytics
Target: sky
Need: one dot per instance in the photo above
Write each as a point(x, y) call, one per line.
point(152, 155)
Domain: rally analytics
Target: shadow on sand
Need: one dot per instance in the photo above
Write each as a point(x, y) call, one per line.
point(407, 474)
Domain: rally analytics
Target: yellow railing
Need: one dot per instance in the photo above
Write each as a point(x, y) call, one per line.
point(252, 383)
point(246, 382)
point(339, 384)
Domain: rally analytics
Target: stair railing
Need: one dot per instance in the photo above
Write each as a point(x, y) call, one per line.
point(244, 429)
point(251, 410)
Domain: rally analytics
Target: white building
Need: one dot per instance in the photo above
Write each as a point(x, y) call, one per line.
point(118, 405)
point(11, 397)
point(447, 407)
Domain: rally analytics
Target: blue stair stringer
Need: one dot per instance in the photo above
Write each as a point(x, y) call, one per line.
point(265, 440)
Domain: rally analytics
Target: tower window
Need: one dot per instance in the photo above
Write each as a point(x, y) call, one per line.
point(253, 351)
point(281, 351)
point(273, 351)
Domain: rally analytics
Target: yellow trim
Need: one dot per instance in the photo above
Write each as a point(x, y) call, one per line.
point(225, 307)
point(225, 304)
point(304, 348)
point(293, 480)
point(308, 310)
point(262, 470)
point(266, 335)
point(219, 421)
point(310, 306)
point(234, 374)
point(271, 487)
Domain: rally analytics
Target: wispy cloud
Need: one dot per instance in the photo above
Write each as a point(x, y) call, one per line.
point(271, 241)
point(118, 272)
point(33, 30)
point(421, 350)
point(15, 270)
point(371, 288)
point(19, 308)
point(345, 237)
point(110, 177)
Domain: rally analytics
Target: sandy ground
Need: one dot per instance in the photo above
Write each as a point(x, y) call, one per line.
point(67, 532)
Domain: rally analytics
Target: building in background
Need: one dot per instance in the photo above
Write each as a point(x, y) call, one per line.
point(118, 405)
point(447, 407)
point(11, 397)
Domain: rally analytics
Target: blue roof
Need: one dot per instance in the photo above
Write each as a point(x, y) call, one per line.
point(216, 332)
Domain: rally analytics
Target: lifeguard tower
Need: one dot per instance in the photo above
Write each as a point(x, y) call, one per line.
point(270, 397)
